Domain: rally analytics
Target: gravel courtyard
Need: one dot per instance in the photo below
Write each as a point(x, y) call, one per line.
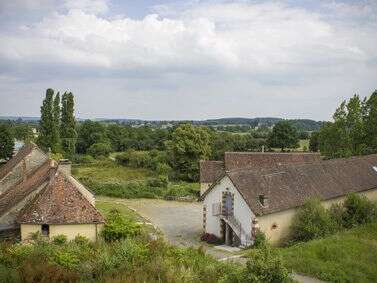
point(180, 222)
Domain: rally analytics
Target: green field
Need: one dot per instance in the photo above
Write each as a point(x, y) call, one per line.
point(349, 256)
point(106, 177)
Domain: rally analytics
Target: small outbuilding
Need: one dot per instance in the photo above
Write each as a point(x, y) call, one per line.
point(38, 194)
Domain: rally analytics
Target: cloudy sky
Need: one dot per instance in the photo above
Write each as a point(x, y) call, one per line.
point(187, 59)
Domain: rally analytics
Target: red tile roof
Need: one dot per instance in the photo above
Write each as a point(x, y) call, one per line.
point(210, 170)
point(60, 203)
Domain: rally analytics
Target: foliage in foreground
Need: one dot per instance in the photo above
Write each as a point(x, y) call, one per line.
point(313, 221)
point(348, 256)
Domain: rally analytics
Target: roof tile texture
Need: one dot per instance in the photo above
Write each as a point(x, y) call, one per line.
point(60, 203)
point(289, 186)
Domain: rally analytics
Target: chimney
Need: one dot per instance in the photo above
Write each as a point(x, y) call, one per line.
point(262, 148)
point(65, 166)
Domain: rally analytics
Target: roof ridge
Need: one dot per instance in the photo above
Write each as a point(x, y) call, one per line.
point(17, 158)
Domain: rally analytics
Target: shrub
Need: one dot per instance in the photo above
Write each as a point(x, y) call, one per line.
point(81, 240)
point(66, 259)
point(311, 221)
point(163, 169)
point(260, 240)
point(85, 159)
point(99, 149)
point(59, 239)
point(336, 212)
point(210, 239)
point(264, 265)
point(358, 210)
point(118, 228)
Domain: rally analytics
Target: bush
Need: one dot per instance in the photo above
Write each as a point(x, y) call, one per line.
point(163, 169)
point(210, 239)
point(311, 221)
point(260, 240)
point(59, 239)
point(118, 228)
point(84, 159)
point(81, 240)
point(336, 212)
point(358, 210)
point(99, 149)
point(264, 265)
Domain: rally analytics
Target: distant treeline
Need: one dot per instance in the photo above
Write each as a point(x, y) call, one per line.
point(223, 124)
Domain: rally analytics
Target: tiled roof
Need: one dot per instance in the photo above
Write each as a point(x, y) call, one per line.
point(24, 187)
point(21, 154)
point(210, 170)
point(60, 203)
point(289, 186)
point(259, 160)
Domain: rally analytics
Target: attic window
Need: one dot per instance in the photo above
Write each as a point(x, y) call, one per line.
point(45, 230)
point(375, 168)
point(263, 200)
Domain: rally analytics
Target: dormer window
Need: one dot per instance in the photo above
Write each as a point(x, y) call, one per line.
point(263, 199)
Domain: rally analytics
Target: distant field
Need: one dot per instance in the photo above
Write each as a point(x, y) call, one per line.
point(349, 256)
point(108, 178)
point(303, 146)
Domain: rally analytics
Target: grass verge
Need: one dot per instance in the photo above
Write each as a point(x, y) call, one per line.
point(349, 256)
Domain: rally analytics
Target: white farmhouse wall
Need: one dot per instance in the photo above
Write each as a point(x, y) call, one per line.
point(242, 211)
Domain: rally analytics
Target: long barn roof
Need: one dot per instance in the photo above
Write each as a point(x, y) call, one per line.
point(289, 186)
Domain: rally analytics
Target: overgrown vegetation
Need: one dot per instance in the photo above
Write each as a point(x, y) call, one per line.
point(106, 177)
point(347, 256)
point(313, 221)
point(128, 257)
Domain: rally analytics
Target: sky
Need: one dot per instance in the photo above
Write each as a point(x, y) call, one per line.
point(195, 59)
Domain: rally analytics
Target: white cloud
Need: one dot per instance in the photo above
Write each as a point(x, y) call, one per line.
point(262, 46)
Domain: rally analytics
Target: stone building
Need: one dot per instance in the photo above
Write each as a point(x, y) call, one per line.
point(263, 191)
point(38, 194)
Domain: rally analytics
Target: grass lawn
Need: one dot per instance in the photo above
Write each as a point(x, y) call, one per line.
point(106, 177)
point(349, 256)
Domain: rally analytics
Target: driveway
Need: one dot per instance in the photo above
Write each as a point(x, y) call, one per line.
point(180, 222)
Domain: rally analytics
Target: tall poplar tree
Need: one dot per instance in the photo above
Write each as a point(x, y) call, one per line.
point(45, 140)
point(371, 122)
point(68, 131)
point(55, 134)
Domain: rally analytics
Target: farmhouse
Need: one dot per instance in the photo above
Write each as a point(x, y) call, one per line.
point(38, 194)
point(262, 191)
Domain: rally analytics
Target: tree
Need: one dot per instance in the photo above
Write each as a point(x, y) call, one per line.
point(314, 142)
point(370, 121)
point(187, 146)
point(55, 134)
point(6, 142)
point(45, 137)
point(355, 126)
point(90, 133)
point(283, 135)
point(68, 131)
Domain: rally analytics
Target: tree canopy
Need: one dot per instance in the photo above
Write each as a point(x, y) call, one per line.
point(6, 142)
point(187, 146)
point(283, 135)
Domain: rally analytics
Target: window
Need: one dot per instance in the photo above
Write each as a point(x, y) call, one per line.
point(263, 199)
point(45, 230)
